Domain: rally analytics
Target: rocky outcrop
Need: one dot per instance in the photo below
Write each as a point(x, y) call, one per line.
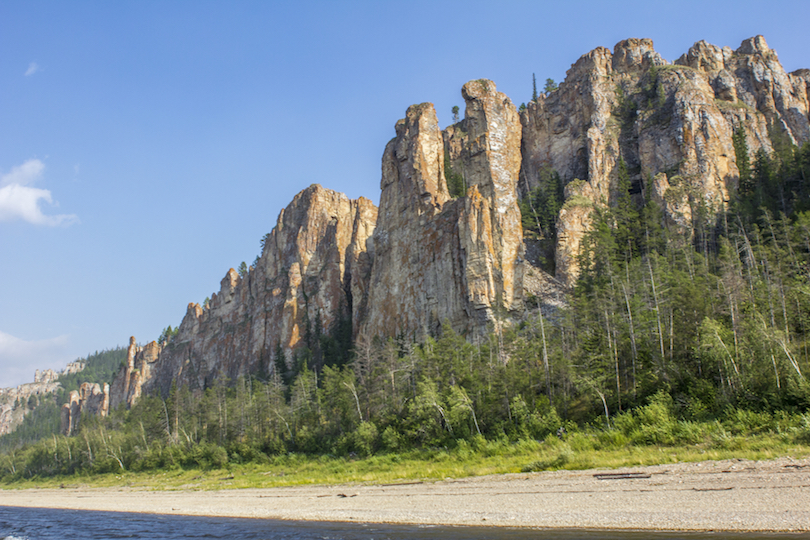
point(17, 402)
point(311, 277)
point(753, 79)
point(45, 376)
point(438, 260)
point(426, 260)
point(128, 383)
point(414, 252)
point(91, 399)
point(490, 160)
point(671, 126)
point(623, 120)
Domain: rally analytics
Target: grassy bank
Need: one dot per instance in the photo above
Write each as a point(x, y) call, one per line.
point(581, 450)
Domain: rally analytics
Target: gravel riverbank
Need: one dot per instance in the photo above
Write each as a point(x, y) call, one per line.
point(730, 495)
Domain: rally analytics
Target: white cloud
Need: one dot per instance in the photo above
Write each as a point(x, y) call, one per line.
point(25, 174)
point(33, 67)
point(18, 200)
point(19, 358)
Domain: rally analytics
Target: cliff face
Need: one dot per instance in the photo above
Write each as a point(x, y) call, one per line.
point(128, 383)
point(313, 266)
point(671, 125)
point(91, 398)
point(439, 260)
point(426, 259)
point(18, 401)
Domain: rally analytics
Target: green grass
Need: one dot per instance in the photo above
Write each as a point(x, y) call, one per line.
point(675, 67)
point(604, 449)
point(732, 105)
point(577, 201)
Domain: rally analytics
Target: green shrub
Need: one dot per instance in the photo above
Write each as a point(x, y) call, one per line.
point(391, 439)
point(365, 438)
point(209, 456)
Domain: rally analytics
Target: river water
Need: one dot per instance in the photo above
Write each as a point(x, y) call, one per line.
point(48, 524)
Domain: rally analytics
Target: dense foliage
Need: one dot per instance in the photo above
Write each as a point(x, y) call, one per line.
point(671, 336)
point(99, 367)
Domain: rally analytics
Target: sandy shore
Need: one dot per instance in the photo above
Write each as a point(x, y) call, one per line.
point(723, 495)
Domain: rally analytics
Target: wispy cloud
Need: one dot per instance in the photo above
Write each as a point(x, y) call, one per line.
point(33, 67)
point(19, 358)
point(20, 201)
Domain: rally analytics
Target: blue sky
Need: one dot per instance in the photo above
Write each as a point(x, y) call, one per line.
point(146, 147)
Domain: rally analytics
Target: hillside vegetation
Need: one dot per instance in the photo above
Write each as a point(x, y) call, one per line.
point(44, 420)
point(692, 340)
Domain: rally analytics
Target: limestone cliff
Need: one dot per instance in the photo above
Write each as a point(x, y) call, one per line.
point(439, 260)
point(91, 398)
point(18, 401)
point(671, 125)
point(426, 259)
point(313, 266)
point(128, 384)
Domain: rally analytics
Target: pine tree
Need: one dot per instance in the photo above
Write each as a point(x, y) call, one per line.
point(742, 160)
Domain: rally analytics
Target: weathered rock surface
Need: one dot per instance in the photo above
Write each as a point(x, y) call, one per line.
point(91, 398)
point(753, 76)
point(425, 259)
point(313, 266)
point(672, 125)
point(439, 260)
point(17, 402)
point(127, 385)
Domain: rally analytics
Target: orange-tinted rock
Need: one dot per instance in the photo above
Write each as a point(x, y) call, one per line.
point(425, 259)
point(439, 260)
point(313, 266)
point(91, 399)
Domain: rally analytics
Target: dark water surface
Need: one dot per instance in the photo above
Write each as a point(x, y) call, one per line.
point(47, 524)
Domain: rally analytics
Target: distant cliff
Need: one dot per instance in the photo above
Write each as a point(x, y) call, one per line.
point(340, 269)
point(18, 401)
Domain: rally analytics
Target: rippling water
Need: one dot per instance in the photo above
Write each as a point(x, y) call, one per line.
point(47, 524)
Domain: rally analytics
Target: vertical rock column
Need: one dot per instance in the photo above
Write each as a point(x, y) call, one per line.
point(412, 285)
point(490, 230)
point(438, 260)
